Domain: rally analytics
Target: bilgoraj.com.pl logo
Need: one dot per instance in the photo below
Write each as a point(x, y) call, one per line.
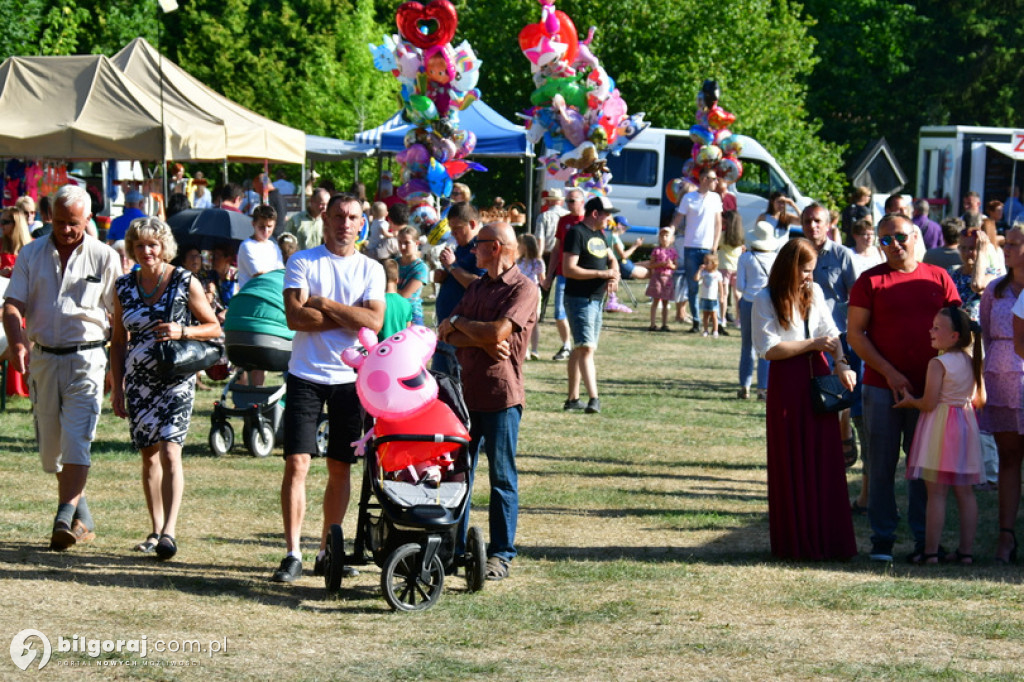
point(27, 644)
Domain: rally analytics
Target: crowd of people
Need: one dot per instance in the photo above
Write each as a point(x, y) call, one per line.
point(889, 313)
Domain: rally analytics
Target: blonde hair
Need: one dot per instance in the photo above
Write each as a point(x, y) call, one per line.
point(19, 236)
point(151, 227)
point(379, 210)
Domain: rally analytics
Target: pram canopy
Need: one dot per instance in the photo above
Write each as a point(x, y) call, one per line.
point(259, 307)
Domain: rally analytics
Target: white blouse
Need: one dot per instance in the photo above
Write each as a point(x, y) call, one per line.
point(768, 333)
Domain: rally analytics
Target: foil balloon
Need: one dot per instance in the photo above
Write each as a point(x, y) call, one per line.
point(719, 118)
point(421, 109)
point(732, 145)
point(566, 34)
point(440, 181)
point(423, 217)
point(701, 135)
point(710, 93)
point(730, 169)
point(458, 168)
point(429, 25)
point(709, 155)
point(674, 190)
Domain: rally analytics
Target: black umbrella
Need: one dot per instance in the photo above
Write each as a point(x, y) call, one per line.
point(205, 228)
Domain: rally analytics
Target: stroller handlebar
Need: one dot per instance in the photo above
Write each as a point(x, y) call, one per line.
point(421, 438)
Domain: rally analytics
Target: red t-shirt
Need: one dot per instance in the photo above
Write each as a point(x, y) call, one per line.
point(564, 223)
point(902, 307)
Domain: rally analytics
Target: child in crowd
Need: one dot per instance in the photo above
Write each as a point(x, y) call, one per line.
point(397, 310)
point(664, 259)
point(679, 285)
point(709, 293)
point(259, 254)
point(946, 450)
point(532, 265)
point(412, 271)
point(382, 243)
point(288, 244)
point(729, 252)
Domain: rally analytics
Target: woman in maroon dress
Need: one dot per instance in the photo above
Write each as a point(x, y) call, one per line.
point(808, 515)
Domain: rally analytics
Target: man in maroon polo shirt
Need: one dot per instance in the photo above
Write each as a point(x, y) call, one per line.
point(490, 328)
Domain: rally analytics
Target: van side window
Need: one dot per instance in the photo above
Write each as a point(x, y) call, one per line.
point(759, 178)
point(637, 167)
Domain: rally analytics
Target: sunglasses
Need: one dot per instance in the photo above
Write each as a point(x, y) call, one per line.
point(888, 239)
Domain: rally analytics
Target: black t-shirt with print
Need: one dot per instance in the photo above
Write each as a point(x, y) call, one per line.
point(592, 248)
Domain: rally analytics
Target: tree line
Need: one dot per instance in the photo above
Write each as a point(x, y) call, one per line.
point(814, 82)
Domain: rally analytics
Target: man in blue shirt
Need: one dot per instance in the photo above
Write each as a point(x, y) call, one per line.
point(458, 270)
point(132, 209)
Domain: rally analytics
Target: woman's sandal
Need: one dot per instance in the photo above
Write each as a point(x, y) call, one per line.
point(1012, 556)
point(166, 547)
point(653, 328)
point(497, 568)
point(959, 558)
point(850, 451)
point(929, 559)
point(147, 545)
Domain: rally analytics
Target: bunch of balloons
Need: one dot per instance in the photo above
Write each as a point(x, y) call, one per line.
point(577, 110)
point(714, 145)
point(437, 81)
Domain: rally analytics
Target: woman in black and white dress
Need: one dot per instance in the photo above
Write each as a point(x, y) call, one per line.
point(155, 303)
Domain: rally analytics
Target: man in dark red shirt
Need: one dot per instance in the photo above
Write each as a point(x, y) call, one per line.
point(490, 327)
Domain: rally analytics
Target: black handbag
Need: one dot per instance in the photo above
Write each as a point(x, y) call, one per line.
point(183, 357)
point(827, 391)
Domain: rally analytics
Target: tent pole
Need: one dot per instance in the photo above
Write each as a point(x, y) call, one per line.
point(225, 171)
point(302, 189)
point(528, 160)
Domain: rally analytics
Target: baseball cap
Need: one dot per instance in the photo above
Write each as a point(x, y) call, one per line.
point(599, 204)
point(133, 197)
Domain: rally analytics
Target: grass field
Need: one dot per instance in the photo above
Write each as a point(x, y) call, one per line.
point(643, 545)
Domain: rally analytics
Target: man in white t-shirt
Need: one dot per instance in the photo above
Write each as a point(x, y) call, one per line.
point(700, 214)
point(330, 292)
point(259, 254)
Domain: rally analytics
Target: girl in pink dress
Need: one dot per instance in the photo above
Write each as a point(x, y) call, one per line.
point(661, 290)
point(946, 450)
point(1004, 388)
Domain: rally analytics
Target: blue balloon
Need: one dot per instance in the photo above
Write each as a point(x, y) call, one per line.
point(701, 135)
point(440, 181)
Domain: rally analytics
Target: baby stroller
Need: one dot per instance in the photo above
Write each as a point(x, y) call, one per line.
point(409, 526)
point(256, 336)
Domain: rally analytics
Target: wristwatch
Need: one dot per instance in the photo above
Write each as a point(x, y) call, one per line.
point(453, 319)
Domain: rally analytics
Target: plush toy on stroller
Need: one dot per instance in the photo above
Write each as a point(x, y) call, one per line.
point(415, 486)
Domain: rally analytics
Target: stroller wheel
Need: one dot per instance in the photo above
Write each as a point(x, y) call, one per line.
point(322, 434)
point(476, 560)
point(404, 587)
point(260, 438)
point(222, 438)
point(334, 559)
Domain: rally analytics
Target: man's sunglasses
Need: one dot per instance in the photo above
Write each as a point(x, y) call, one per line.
point(888, 239)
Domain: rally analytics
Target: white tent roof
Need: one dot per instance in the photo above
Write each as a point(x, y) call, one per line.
point(250, 137)
point(84, 108)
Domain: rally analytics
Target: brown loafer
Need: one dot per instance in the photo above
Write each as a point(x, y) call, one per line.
point(81, 533)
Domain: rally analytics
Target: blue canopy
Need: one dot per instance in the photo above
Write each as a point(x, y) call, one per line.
point(495, 136)
point(321, 148)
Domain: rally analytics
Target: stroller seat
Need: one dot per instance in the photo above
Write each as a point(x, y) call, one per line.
point(447, 495)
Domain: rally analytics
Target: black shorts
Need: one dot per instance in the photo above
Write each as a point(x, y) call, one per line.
point(303, 404)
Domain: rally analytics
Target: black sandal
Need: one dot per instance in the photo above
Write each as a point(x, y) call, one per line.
point(166, 547)
point(1012, 556)
point(926, 559)
point(957, 557)
point(850, 451)
point(149, 544)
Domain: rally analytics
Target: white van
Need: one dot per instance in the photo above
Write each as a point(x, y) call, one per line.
point(655, 157)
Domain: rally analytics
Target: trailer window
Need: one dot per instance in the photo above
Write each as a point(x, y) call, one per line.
point(759, 178)
point(637, 167)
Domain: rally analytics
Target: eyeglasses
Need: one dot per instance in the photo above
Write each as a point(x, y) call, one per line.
point(484, 241)
point(888, 239)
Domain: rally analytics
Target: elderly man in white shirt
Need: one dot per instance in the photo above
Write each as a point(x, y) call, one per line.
point(62, 289)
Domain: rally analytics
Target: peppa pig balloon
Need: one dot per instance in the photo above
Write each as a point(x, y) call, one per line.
point(392, 380)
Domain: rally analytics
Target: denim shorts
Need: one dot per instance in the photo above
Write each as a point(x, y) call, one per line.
point(709, 305)
point(559, 297)
point(584, 316)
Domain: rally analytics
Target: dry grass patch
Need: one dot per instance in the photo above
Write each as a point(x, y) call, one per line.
point(644, 555)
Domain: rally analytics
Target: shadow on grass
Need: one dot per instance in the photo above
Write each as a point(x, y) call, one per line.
point(80, 566)
point(632, 463)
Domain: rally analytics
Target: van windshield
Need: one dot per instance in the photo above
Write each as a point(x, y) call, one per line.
point(637, 167)
point(759, 178)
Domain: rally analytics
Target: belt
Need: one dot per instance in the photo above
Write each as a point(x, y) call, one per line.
point(68, 350)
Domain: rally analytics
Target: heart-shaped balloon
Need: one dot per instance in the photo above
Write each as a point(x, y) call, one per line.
point(719, 118)
point(532, 34)
point(427, 25)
